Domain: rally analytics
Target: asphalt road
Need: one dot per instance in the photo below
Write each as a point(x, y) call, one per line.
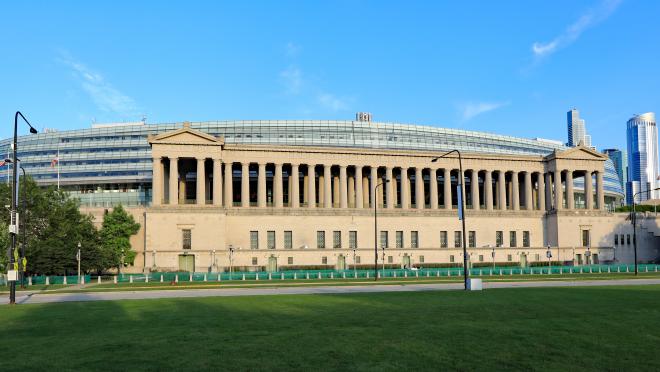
point(37, 298)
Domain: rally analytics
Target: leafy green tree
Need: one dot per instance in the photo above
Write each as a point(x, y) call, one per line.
point(118, 227)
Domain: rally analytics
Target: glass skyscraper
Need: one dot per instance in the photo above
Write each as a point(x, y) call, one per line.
point(642, 138)
point(576, 129)
point(617, 159)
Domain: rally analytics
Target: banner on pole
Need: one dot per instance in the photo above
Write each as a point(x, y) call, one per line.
point(459, 193)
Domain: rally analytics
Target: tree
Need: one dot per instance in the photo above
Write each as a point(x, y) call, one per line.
point(118, 227)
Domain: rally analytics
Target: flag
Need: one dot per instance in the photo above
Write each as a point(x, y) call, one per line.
point(2, 163)
point(54, 162)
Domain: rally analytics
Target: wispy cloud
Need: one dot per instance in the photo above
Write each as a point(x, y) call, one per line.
point(332, 102)
point(292, 49)
point(471, 109)
point(106, 97)
point(292, 79)
point(592, 17)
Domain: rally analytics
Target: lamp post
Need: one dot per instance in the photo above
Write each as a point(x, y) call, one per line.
point(13, 226)
point(78, 257)
point(548, 254)
point(493, 257)
point(23, 261)
point(354, 263)
point(231, 260)
point(376, 229)
point(634, 222)
point(461, 211)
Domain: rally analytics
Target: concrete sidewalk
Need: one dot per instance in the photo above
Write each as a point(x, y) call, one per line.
point(36, 297)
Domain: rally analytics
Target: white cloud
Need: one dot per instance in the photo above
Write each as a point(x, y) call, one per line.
point(592, 17)
point(330, 101)
point(293, 80)
point(106, 97)
point(292, 49)
point(471, 109)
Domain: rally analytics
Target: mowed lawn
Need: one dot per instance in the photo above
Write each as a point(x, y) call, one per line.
point(597, 328)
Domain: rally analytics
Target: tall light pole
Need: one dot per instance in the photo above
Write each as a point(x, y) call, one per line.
point(22, 263)
point(375, 197)
point(13, 226)
point(634, 222)
point(461, 210)
point(79, 257)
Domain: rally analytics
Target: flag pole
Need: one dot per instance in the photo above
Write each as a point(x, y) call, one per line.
point(58, 168)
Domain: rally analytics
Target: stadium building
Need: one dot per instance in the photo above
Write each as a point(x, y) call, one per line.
point(272, 195)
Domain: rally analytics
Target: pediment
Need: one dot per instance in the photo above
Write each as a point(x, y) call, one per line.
point(186, 136)
point(577, 153)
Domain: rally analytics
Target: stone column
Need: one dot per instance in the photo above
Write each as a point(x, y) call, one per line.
point(541, 192)
point(570, 199)
point(528, 191)
point(217, 182)
point(351, 191)
point(157, 182)
point(229, 185)
point(447, 188)
point(374, 182)
point(174, 181)
point(327, 186)
point(589, 190)
point(548, 191)
point(405, 189)
point(501, 190)
point(515, 191)
point(278, 196)
point(311, 186)
point(433, 187)
point(245, 185)
point(475, 190)
point(488, 190)
point(389, 187)
point(261, 186)
point(600, 195)
point(359, 196)
point(365, 191)
point(559, 192)
point(295, 187)
point(201, 178)
point(343, 187)
point(419, 188)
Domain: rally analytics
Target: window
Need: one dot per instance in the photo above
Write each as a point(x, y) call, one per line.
point(508, 257)
point(451, 258)
point(390, 259)
point(421, 259)
point(499, 238)
point(270, 235)
point(628, 239)
point(414, 239)
point(443, 239)
point(457, 239)
point(616, 239)
point(187, 239)
point(585, 238)
point(357, 259)
point(383, 239)
point(472, 239)
point(320, 239)
point(481, 258)
point(254, 239)
point(399, 239)
point(254, 260)
point(512, 239)
point(352, 239)
point(525, 238)
point(324, 260)
point(623, 240)
point(288, 240)
point(336, 239)
point(290, 260)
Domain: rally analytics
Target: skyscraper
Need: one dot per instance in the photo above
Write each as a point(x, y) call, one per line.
point(642, 138)
point(576, 129)
point(617, 158)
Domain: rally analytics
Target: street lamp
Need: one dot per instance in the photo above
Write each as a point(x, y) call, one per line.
point(634, 222)
point(78, 257)
point(354, 263)
point(13, 226)
point(461, 211)
point(548, 254)
point(493, 257)
point(588, 255)
point(231, 260)
point(23, 261)
point(376, 228)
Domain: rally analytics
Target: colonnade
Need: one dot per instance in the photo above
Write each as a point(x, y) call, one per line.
point(311, 185)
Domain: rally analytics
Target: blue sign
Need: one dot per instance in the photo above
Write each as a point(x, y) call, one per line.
point(459, 193)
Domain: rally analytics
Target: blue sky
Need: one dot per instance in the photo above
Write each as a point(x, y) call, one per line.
point(510, 67)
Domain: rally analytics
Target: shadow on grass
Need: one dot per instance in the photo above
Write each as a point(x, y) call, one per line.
point(521, 329)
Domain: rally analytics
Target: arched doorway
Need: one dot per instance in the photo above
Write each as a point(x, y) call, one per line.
point(272, 264)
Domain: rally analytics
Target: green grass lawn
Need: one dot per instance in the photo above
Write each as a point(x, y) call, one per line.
point(596, 328)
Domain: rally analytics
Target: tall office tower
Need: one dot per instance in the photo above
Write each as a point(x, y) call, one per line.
point(617, 158)
point(576, 129)
point(642, 138)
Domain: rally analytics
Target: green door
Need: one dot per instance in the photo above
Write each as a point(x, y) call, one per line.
point(272, 264)
point(523, 260)
point(406, 261)
point(187, 263)
point(579, 259)
point(341, 262)
point(595, 258)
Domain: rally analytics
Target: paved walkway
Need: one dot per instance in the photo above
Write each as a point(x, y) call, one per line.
point(36, 297)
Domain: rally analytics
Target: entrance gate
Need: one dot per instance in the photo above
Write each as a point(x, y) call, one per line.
point(406, 261)
point(187, 263)
point(272, 264)
point(341, 262)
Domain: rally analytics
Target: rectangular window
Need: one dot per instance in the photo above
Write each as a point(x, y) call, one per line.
point(336, 239)
point(421, 259)
point(457, 239)
point(499, 238)
point(324, 260)
point(472, 239)
point(187, 239)
point(270, 235)
point(585, 238)
point(508, 257)
point(254, 239)
point(357, 259)
point(288, 239)
point(383, 239)
point(390, 259)
point(481, 258)
point(443, 239)
point(512, 239)
point(451, 258)
point(352, 239)
point(616, 239)
point(290, 260)
point(399, 239)
point(254, 260)
point(414, 239)
point(525, 239)
point(628, 239)
point(320, 239)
